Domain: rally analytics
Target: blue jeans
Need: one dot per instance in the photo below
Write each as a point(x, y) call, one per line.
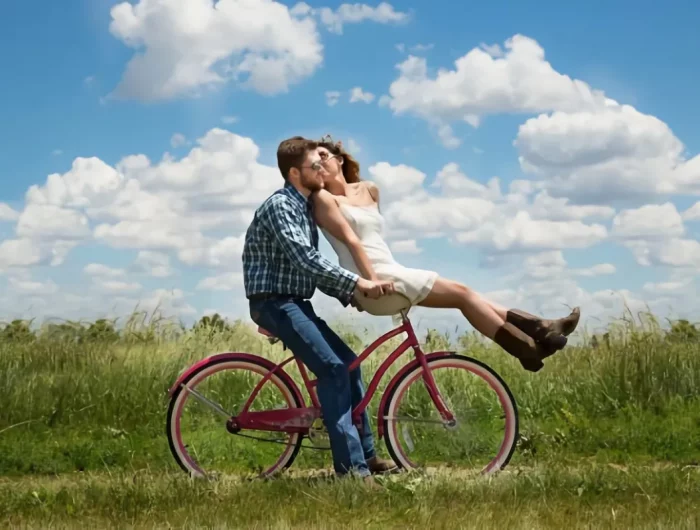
point(325, 354)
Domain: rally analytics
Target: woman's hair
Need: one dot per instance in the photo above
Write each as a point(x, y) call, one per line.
point(351, 167)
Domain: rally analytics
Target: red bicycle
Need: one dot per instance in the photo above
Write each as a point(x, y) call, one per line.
point(440, 408)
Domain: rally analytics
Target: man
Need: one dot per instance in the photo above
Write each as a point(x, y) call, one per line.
point(282, 267)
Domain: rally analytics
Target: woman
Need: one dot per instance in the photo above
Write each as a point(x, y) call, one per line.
point(347, 211)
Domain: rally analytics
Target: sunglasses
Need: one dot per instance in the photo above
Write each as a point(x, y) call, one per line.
point(316, 166)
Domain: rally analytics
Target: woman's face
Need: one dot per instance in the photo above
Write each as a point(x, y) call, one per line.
point(333, 164)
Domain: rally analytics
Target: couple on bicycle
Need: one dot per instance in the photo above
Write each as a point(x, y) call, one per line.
point(282, 268)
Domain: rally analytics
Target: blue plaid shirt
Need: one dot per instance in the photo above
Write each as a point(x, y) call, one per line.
point(280, 254)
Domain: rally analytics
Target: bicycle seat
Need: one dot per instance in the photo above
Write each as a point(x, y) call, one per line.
point(386, 305)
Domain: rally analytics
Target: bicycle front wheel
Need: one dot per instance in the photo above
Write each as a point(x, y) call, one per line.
point(207, 398)
point(484, 435)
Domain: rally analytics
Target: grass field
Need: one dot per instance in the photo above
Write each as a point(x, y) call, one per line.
point(610, 437)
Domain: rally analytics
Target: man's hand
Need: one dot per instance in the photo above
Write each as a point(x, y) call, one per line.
point(353, 303)
point(374, 289)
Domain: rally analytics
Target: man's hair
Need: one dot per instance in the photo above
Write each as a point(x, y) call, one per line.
point(292, 153)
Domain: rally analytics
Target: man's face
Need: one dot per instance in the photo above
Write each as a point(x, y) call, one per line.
point(312, 172)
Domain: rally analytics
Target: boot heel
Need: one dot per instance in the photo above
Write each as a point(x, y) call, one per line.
point(552, 344)
point(555, 341)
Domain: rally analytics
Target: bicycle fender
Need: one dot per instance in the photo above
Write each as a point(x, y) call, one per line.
point(394, 381)
point(232, 356)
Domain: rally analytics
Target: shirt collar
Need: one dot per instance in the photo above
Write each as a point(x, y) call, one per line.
point(297, 195)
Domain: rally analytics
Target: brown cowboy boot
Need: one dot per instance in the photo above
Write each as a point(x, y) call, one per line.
point(378, 465)
point(520, 346)
point(551, 334)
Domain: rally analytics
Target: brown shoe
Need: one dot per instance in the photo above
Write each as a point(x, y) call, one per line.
point(379, 466)
point(520, 346)
point(550, 333)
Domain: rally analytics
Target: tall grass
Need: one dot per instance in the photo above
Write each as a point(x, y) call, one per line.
point(93, 396)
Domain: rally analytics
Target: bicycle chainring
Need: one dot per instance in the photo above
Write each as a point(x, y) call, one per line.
point(318, 435)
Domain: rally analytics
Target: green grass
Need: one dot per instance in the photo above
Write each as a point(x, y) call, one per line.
point(82, 437)
point(544, 497)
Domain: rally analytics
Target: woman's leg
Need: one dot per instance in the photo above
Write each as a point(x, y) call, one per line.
point(453, 295)
point(488, 321)
point(542, 330)
point(538, 328)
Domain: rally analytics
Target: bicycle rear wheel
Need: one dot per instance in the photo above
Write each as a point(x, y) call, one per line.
point(199, 409)
point(486, 430)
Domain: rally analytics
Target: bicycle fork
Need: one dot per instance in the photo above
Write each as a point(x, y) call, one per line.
point(434, 392)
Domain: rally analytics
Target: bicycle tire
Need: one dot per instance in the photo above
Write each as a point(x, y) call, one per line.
point(259, 366)
point(478, 368)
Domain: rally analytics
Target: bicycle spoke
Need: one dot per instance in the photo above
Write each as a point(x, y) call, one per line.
point(207, 401)
point(483, 433)
point(202, 443)
point(408, 418)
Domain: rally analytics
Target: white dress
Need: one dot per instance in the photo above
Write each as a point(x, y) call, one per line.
point(414, 284)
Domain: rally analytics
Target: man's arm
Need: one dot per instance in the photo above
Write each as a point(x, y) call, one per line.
point(285, 223)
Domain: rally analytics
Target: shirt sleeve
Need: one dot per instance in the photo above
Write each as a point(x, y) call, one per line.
point(286, 224)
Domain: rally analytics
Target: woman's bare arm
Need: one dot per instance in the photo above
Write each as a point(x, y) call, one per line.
point(328, 216)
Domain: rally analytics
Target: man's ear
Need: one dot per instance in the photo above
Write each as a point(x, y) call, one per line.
point(293, 173)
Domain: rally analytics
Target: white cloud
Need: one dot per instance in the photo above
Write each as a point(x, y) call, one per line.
point(184, 47)
point(24, 286)
point(226, 253)
point(405, 246)
point(90, 182)
point(521, 232)
point(596, 270)
point(447, 138)
point(359, 95)
point(168, 205)
point(605, 153)
point(57, 152)
point(452, 181)
point(396, 180)
point(648, 222)
point(98, 269)
point(156, 264)
point(332, 97)
point(228, 281)
point(383, 13)
point(7, 213)
point(481, 214)
point(195, 208)
point(47, 221)
point(520, 80)
point(353, 147)
point(229, 120)
point(691, 214)
point(420, 214)
point(167, 302)
point(671, 252)
point(178, 140)
point(26, 252)
point(115, 286)
point(148, 234)
point(558, 209)
point(667, 287)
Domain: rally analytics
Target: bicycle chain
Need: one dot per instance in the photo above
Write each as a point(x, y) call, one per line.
point(281, 442)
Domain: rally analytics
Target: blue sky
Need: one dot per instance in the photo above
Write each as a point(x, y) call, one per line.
point(67, 95)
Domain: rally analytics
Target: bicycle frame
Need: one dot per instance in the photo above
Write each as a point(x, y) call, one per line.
point(300, 419)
